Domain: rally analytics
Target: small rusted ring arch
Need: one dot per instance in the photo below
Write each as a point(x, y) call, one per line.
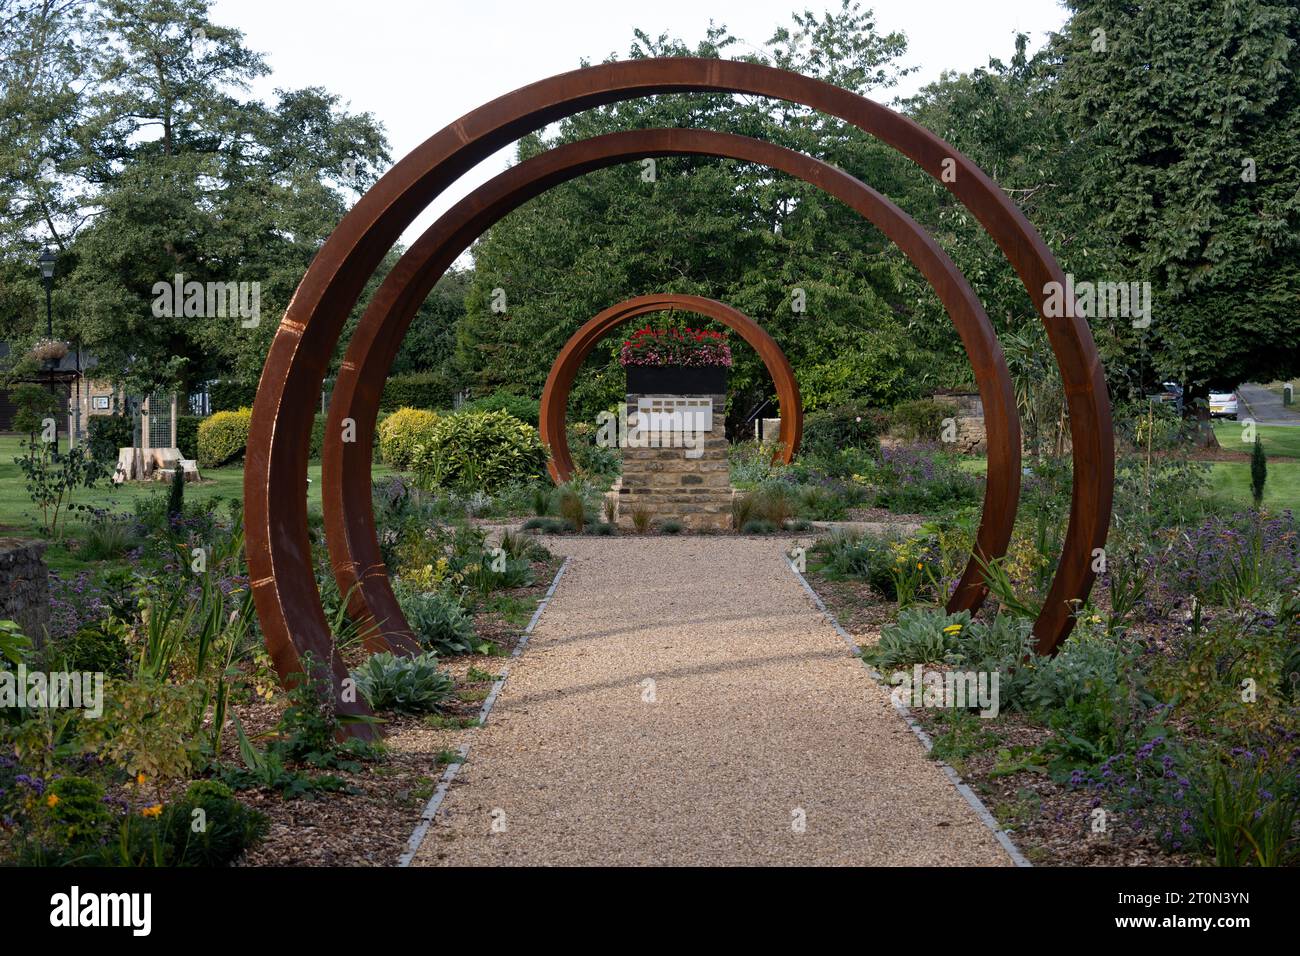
point(555, 396)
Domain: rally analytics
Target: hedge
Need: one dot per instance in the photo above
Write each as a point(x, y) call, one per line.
point(230, 396)
point(187, 435)
point(432, 390)
point(524, 409)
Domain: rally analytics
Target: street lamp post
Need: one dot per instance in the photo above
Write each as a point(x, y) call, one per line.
point(46, 262)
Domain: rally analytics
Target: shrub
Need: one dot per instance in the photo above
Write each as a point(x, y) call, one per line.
point(641, 519)
point(440, 623)
point(850, 554)
point(742, 510)
point(96, 648)
point(107, 433)
point(405, 685)
point(921, 419)
point(548, 525)
point(758, 526)
point(107, 536)
point(671, 527)
point(823, 503)
point(223, 437)
point(521, 407)
point(77, 810)
point(775, 503)
point(401, 432)
point(209, 827)
point(480, 450)
point(591, 459)
point(841, 426)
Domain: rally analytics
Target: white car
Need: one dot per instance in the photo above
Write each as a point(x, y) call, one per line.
point(1223, 405)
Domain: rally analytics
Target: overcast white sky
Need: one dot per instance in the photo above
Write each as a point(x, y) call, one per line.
point(418, 65)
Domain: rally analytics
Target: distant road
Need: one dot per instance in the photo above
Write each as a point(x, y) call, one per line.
point(1265, 407)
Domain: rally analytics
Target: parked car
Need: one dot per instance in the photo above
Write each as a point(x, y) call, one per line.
point(1223, 405)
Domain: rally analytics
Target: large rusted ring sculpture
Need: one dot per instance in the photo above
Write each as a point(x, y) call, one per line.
point(555, 395)
point(350, 531)
point(278, 544)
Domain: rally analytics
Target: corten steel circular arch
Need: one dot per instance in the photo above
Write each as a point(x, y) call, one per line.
point(554, 409)
point(350, 530)
point(278, 544)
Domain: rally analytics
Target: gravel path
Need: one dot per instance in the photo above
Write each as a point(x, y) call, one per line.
point(681, 702)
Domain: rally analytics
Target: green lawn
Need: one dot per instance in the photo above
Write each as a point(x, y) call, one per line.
point(20, 518)
point(1283, 440)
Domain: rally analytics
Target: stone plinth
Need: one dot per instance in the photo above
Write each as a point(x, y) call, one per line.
point(670, 486)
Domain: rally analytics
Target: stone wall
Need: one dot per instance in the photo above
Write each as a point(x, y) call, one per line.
point(669, 486)
point(24, 586)
point(972, 437)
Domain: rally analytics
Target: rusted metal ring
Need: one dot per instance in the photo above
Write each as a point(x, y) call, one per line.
point(278, 542)
point(350, 529)
point(555, 395)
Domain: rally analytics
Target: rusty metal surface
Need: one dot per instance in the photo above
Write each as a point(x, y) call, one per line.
point(278, 545)
point(555, 395)
point(349, 520)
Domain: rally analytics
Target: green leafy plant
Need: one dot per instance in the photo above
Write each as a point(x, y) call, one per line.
point(14, 645)
point(483, 450)
point(440, 623)
point(920, 636)
point(405, 685)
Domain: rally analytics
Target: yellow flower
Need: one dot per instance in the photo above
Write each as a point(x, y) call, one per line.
point(51, 800)
point(153, 811)
point(140, 779)
point(952, 629)
point(918, 565)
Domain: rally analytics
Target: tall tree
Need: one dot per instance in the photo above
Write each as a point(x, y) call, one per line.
point(1189, 113)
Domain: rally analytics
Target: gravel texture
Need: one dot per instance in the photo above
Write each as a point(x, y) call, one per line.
point(758, 720)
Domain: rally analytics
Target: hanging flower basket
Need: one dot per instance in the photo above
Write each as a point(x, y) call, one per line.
point(49, 350)
point(676, 361)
